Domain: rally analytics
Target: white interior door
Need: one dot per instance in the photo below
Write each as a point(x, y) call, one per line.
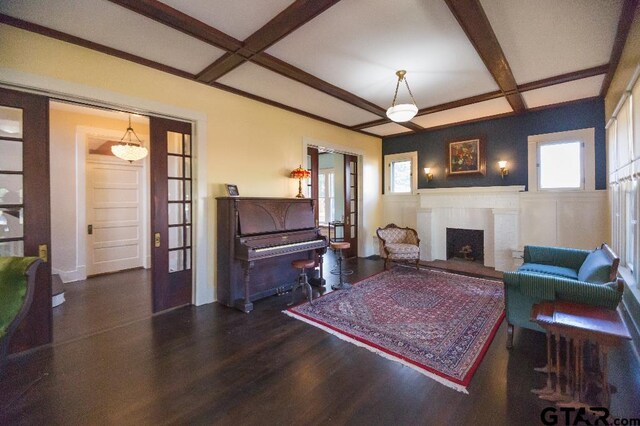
point(114, 217)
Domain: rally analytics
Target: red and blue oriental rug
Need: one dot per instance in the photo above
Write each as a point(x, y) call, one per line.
point(435, 322)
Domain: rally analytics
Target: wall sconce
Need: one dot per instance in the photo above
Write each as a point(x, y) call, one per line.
point(427, 171)
point(503, 168)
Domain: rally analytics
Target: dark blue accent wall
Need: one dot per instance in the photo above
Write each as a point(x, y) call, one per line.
point(506, 139)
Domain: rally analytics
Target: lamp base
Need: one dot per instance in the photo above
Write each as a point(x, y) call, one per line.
point(300, 194)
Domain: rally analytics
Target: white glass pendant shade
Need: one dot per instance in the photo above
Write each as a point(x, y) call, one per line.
point(129, 152)
point(402, 112)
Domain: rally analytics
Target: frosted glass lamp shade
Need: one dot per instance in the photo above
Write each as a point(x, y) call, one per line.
point(402, 112)
point(129, 152)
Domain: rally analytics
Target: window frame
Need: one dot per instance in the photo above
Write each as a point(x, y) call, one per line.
point(588, 163)
point(389, 159)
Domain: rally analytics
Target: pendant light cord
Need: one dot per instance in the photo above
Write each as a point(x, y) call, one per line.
point(395, 95)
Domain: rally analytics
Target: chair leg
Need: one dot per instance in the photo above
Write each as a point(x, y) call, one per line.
point(386, 263)
point(418, 264)
point(509, 336)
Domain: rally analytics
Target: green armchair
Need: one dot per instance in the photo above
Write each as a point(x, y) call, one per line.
point(555, 273)
point(17, 284)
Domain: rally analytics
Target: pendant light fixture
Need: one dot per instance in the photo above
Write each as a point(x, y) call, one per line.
point(127, 148)
point(402, 112)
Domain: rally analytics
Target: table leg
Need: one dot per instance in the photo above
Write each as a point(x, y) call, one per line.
point(546, 369)
point(557, 395)
point(577, 374)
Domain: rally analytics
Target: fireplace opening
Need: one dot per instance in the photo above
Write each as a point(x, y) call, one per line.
point(467, 244)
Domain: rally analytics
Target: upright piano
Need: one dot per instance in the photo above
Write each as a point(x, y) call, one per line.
point(256, 242)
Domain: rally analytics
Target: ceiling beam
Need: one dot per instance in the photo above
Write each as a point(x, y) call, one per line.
point(564, 78)
point(624, 25)
point(538, 84)
point(48, 32)
point(474, 22)
point(238, 52)
point(39, 29)
point(177, 20)
point(274, 64)
point(293, 17)
point(285, 107)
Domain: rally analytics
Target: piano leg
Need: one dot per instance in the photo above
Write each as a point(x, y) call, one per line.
point(245, 305)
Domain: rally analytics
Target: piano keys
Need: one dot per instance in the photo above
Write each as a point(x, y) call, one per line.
point(256, 242)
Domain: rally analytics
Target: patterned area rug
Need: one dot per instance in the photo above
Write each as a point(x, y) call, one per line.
point(438, 323)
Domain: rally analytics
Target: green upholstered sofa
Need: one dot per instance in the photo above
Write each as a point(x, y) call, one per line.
point(556, 273)
point(17, 283)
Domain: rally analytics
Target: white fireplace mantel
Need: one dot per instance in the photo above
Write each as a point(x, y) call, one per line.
point(494, 210)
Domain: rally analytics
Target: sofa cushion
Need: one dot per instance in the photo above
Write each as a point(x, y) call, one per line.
point(557, 271)
point(596, 268)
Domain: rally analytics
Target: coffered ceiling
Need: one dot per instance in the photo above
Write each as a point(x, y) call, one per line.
point(335, 60)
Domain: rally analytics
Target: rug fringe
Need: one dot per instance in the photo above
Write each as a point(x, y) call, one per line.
point(341, 336)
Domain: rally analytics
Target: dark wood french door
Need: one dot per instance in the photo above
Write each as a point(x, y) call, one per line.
point(351, 204)
point(25, 210)
point(312, 165)
point(171, 213)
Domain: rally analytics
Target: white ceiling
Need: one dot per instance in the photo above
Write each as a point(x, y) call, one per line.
point(357, 45)
point(362, 54)
point(543, 38)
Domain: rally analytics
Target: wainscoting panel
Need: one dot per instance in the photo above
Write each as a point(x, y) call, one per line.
point(510, 218)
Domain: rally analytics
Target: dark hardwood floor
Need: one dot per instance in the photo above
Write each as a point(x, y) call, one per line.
point(216, 365)
point(101, 303)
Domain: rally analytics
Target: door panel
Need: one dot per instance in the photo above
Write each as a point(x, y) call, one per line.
point(114, 213)
point(171, 209)
point(25, 203)
point(351, 204)
point(312, 165)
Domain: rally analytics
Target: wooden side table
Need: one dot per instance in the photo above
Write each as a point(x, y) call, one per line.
point(579, 325)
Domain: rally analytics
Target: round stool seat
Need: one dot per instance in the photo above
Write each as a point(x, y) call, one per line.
point(337, 245)
point(303, 263)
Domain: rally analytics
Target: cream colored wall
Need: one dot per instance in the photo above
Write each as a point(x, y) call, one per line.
point(248, 143)
point(629, 60)
point(67, 203)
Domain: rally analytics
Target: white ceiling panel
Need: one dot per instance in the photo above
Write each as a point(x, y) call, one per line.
point(565, 92)
point(387, 129)
point(544, 38)
point(267, 84)
point(464, 113)
point(105, 23)
point(358, 45)
point(237, 18)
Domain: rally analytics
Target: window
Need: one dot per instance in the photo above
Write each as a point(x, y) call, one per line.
point(400, 175)
point(560, 165)
point(562, 161)
point(326, 196)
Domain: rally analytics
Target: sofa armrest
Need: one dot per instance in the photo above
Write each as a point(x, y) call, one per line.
point(557, 256)
point(552, 288)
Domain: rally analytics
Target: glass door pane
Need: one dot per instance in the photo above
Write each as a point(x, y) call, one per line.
point(11, 182)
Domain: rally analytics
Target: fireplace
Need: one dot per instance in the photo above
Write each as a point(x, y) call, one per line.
point(467, 244)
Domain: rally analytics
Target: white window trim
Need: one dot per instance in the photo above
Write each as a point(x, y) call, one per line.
point(585, 136)
point(404, 156)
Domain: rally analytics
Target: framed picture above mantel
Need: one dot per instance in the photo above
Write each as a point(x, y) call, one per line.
point(466, 157)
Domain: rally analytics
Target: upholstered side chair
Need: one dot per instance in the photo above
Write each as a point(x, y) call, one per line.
point(399, 244)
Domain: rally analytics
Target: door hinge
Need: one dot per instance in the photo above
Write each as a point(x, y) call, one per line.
point(156, 240)
point(90, 229)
